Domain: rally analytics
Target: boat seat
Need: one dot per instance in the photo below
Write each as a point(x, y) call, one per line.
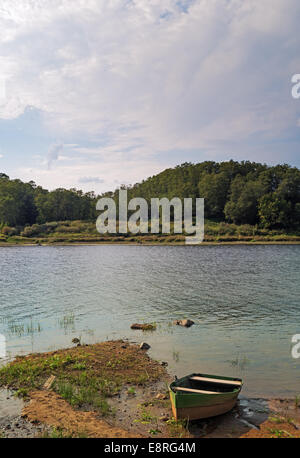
point(213, 380)
point(193, 390)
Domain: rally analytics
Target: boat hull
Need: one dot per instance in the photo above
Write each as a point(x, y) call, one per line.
point(199, 412)
point(194, 406)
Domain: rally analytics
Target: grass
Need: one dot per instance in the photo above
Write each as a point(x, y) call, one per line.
point(177, 428)
point(22, 329)
point(67, 322)
point(175, 356)
point(147, 418)
point(59, 433)
point(131, 391)
point(72, 232)
point(81, 396)
point(86, 376)
point(279, 433)
point(277, 420)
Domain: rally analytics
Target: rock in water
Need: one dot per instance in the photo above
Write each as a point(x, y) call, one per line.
point(144, 326)
point(144, 346)
point(185, 323)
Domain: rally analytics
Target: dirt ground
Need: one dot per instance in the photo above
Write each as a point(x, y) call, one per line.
point(49, 408)
point(251, 418)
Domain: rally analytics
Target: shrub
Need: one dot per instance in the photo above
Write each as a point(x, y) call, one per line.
point(9, 231)
point(35, 229)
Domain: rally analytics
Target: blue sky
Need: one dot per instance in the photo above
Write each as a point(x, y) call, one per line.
point(96, 93)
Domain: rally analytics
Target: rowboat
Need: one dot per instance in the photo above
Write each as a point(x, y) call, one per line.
point(199, 396)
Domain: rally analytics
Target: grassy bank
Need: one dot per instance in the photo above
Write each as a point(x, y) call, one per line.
point(87, 383)
point(84, 375)
point(80, 232)
point(114, 389)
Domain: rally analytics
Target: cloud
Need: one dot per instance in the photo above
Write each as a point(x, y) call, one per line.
point(53, 153)
point(131, 81)
point(90, 180)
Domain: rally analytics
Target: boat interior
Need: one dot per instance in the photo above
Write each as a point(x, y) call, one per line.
point(205, 384)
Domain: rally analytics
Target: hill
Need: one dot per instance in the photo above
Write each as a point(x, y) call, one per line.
point(242, 199)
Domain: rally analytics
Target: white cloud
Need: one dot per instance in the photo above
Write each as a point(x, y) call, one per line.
point(144, 76)
point(85, 180)
point(115, 172)
point(53, 153)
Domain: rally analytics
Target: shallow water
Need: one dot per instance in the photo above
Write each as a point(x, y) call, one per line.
point(244, 300)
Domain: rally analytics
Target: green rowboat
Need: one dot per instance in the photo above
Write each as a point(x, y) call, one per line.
point(199, 396)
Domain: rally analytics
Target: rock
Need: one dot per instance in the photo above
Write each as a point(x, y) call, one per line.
point(144, 346)
point(76, 340)
point(185, 323)
point(160, 396)
point(144, 326)
point(164, 363)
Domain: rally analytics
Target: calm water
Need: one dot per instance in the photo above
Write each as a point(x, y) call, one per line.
point(244, 300)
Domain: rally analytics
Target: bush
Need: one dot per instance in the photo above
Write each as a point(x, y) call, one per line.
point(246, 229)
point(35, 229)
point(9, 231)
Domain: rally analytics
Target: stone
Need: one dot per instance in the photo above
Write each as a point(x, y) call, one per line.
point(186, 323)
point(144, 346)
point(144, 326)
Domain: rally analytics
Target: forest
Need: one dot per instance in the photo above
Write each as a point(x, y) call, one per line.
point(239, 193)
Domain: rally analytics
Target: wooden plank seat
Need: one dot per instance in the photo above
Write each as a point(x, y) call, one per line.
point(213, 380)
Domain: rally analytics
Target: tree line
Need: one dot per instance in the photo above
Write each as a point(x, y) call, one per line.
point(238, 192)
point(24, 204)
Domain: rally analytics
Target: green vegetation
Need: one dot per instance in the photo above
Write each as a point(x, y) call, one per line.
point(177, 428)
point(85, 376)
point(279, 433)
point(59, 433)
point(244, 201)
point(131, 391)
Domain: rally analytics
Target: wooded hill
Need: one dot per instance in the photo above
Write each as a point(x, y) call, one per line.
point(235, 192)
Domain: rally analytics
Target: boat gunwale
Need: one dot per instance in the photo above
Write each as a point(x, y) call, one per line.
point(236, 388)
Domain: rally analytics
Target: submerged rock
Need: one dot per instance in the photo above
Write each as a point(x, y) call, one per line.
point(144, 326)
point(185, 323)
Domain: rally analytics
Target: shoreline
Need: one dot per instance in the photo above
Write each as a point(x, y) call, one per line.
point(60, 391)
point(246, 243)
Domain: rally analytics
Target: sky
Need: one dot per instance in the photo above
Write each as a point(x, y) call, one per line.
point(96, 93)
